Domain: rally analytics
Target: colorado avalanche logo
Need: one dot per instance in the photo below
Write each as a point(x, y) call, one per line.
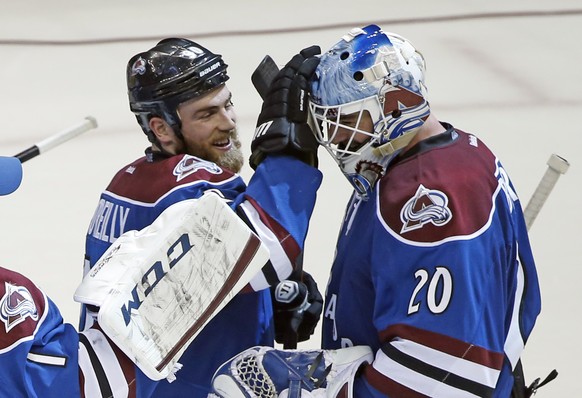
point(138, 67)
point(191, 164)
point(427, 205)
point(16, 305)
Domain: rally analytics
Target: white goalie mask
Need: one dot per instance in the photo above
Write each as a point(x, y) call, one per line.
point(378, 79)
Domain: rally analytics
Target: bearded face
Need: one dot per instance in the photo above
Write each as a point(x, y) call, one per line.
point(209, 130)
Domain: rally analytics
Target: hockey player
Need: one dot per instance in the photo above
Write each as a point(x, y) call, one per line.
point(433, 268)
point(178, 92)
point(40, 355)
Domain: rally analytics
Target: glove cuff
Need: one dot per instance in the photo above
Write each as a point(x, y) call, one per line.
point(283, 137)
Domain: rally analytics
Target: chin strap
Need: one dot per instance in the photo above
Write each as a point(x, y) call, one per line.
point(394, 145)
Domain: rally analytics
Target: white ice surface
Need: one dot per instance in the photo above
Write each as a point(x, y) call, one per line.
point(513, 81)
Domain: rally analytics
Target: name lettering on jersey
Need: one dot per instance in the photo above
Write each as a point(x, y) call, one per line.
point(191, 164)
point(16, 305)
point(351, 212)
point(426, 206)
point(330, 313)
point(155, 274)
point(108, 222)
point(505, 185)
point(473, 141)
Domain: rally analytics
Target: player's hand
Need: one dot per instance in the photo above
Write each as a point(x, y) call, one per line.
point(297, 304)
point(282, 124)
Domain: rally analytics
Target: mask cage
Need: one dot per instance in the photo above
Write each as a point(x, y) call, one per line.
point(326, 123)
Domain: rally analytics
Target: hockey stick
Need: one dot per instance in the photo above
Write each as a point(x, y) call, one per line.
point(264, 75)
point(556, 167)
point(57, 139)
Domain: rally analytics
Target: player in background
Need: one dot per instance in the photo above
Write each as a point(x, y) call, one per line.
point(40, 355)
point(433, 268)
point(178, 92)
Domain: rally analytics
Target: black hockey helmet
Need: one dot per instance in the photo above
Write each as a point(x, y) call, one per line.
point(172, 72)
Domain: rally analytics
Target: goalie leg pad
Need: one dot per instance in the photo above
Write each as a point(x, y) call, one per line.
point(262, 372)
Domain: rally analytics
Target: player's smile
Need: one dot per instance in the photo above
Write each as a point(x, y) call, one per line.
point(224, 144)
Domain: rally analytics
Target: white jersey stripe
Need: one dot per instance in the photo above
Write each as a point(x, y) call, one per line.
point(46, 359)
point(514, 343)
point(416, 381)
point(109, 362)
point(455, 365)
point(91, 387)
point(279, 259)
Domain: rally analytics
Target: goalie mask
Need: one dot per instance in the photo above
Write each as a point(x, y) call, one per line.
point(172, 72)
point(376, 78)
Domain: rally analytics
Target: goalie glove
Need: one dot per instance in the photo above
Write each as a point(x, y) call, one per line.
point(282, 124)
point(297, 305)
point(158, 287)
point(264, 372)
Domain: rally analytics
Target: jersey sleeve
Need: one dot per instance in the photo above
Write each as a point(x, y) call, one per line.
point(278, 205)
point(105, 371)
point(38, 352)
point(41, 356)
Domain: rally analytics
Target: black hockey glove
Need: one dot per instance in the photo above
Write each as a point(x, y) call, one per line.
point(297, 305)
point(282, 124)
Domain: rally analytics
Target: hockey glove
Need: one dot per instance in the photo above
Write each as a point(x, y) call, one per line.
point(282, 124)
point(297, 304)
point(262, 372)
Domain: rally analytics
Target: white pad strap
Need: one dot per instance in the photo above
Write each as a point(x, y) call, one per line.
point(158, 287)
point(376, 72)
point(346, 363)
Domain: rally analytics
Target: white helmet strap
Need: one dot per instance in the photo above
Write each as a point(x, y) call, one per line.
point(394, 145)
point(376, 72)
point(351, 35)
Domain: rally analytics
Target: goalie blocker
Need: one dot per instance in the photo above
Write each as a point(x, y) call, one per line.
point(157, 288)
